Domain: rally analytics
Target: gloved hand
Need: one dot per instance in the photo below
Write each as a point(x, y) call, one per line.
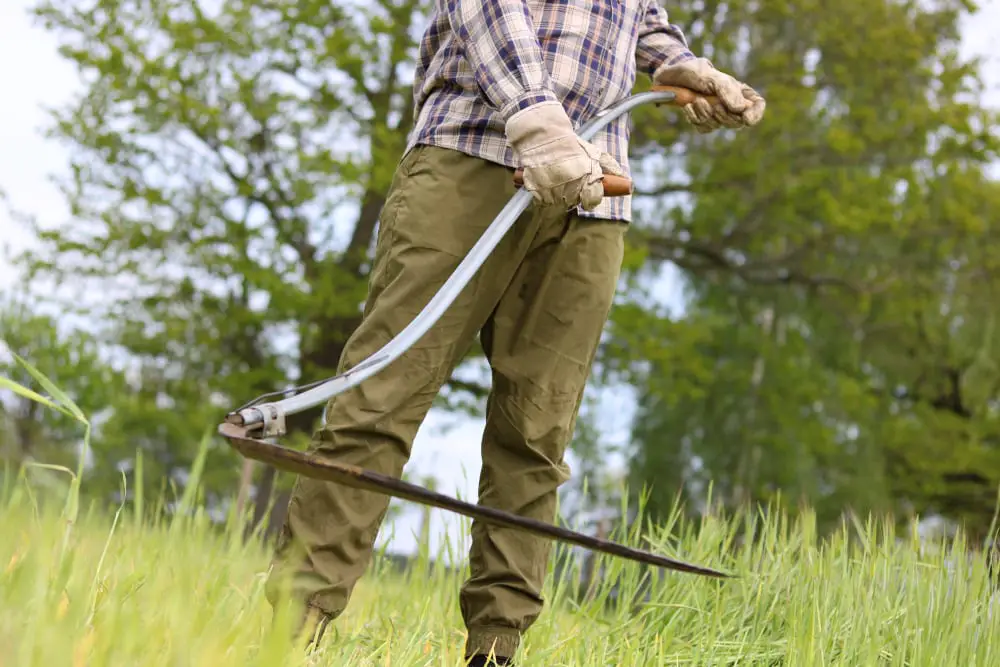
point(741, 105)
point(559, 167)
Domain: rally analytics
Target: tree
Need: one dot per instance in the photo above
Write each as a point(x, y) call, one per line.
point(228, 168)
point(839, 262)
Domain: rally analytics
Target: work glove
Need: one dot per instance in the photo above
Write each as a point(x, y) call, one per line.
point(559, 167)
point(741, 105)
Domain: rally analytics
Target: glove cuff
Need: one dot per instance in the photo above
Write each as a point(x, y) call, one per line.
point(538, 129)
point(669, 74)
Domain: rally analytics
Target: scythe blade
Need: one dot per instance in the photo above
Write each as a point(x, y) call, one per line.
point(270, 416)
point(316, 467)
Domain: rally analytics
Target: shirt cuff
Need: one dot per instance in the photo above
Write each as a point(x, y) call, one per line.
point(662, 49)
point(525, 100)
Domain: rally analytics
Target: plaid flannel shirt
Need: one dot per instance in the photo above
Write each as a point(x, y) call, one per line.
point(481, 61)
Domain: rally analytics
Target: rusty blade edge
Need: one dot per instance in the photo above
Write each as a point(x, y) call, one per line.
point(315, 467)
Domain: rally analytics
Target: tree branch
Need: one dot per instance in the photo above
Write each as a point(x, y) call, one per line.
point(696, 256)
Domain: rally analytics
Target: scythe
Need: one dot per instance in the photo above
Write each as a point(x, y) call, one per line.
point(253, 428)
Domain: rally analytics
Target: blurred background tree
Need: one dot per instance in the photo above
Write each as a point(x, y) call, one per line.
point(839, 261)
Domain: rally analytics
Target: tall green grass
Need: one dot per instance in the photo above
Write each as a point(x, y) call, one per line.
point(84, 588)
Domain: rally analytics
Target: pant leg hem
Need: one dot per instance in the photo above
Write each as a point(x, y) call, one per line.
point(321, 604)
point(500, 641)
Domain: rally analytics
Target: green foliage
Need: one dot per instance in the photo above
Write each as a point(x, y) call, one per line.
point(839, 259)
point(228, 163)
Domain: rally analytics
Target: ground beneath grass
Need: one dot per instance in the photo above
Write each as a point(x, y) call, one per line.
point(185, 593)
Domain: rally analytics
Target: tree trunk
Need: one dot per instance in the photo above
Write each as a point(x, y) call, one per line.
point(263, 499)
point(243, 493)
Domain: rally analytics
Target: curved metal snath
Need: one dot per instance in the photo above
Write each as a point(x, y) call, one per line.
point(267, 419)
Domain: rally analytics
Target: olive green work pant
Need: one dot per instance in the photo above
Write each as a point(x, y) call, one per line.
point(539, 304)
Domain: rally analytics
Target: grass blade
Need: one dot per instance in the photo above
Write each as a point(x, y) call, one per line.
point(194, 478)
point(20, 390)
point(54, 391)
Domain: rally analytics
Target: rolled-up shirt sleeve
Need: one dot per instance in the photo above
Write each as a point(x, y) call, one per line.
point(501, 46)
point(659, 41)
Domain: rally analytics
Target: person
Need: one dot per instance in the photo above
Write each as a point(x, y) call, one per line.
point(499, 84)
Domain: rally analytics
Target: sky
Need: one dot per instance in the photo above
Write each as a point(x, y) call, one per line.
point(34, 77)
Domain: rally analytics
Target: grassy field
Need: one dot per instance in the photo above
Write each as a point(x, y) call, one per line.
point(90, 589)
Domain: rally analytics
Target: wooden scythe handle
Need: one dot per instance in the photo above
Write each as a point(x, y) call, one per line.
point(683, 96)
point(614, 186)
point(619, 186)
